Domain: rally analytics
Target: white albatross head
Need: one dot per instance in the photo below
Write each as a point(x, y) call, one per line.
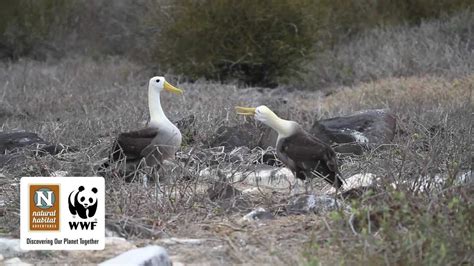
point(157, 116)
point(263, 114)
point(159, 83)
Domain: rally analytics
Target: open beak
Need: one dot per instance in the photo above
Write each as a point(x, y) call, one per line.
point(171, 88)
point(245, 110)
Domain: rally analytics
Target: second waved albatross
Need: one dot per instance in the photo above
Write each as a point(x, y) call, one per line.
point(159, 140)
point(302, 153)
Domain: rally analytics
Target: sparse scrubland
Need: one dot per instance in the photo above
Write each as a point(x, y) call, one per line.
point(423, 72)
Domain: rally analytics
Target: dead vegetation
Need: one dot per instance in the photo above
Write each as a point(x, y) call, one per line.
point(419, 211)
point(401, 220)
point(434, 47)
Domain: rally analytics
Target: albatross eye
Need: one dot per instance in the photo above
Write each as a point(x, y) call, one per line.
point(157, 81)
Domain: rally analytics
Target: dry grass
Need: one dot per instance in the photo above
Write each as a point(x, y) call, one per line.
point(436, 47)
point(85, 104)
point(424, 74)
point(403, 95)
point(350, 49)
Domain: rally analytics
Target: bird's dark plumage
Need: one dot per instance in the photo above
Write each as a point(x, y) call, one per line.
point(140, 144)
point(304, 153)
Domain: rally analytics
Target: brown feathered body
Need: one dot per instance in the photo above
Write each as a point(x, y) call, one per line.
point(308, 157)
point(153, 144)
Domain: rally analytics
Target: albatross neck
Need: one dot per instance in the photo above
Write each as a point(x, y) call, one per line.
point(157, 116)
point(285, 128)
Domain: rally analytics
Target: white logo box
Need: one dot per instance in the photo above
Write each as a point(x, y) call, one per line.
point(83, 228)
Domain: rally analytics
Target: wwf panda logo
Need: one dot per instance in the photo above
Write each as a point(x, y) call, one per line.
point(83, 202)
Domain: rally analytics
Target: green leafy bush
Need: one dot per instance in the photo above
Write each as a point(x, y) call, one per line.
point(257, 42)
point(25, 24)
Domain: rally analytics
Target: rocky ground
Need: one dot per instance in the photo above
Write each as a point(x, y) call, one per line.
point(225, 199)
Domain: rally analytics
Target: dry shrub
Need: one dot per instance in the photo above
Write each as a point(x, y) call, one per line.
point(261, 43)
point(346, 17)
point(256, 42)
point(100, 28)
point(441, 47)
point(26, 25)
point(402, 229)
point(85, 103)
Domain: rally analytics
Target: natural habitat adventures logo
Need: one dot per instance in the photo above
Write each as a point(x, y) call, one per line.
point(44, 207)
point(62, 213)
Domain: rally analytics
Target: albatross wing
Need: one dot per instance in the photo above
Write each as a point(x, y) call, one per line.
point(304, 153)
point(163, 146)
point(153, 144)
point(131, 144)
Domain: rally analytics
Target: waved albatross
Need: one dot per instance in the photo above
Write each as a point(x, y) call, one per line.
point(159, 140)
point(302, 153)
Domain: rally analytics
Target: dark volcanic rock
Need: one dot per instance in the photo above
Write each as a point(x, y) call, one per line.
point(15, 140)
point(349, 148)
point(351, 134)
point(250, 135)
point(378, 126)
point(329, 135)
point(12, 142)
point(247, 134)
point(341, 141)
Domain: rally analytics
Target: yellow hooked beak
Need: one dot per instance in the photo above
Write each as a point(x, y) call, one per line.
point(171, 88)
point(245, 110)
